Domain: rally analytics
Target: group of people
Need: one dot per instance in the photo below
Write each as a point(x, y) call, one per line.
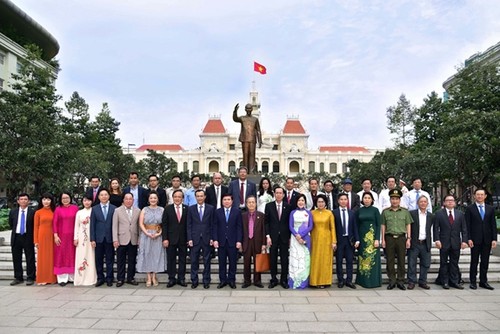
point(154, 230)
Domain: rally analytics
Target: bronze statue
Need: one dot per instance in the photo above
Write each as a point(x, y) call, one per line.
point(250, 135)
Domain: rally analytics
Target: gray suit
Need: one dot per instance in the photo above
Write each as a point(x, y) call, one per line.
point(126, 233)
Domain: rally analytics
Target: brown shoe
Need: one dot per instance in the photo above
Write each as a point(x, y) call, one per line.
point(424, 286)
point(411, 286)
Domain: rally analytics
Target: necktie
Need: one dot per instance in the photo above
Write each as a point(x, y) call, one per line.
point(105, 211)
point(227, 215)
point(279, 211)
point(129, 212)
point(242, 194)
point(95, 194)
point(201, 212)
point(481, 212)
point(22, 228)
point(250, 225)
point(217, 196)
point(343, 222)
point(289, 196)
point(178, 212)
point(450, 218)
point(418, 195)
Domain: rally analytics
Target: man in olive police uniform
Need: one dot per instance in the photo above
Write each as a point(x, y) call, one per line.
point(396, 234)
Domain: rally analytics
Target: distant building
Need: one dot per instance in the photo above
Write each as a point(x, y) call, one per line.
point(284, 152)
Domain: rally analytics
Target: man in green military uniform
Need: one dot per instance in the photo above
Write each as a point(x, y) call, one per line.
point(396, 233)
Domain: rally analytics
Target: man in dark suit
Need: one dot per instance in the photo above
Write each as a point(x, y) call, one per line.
point(174, 235)
point(228, 235)
point(420, 248)
point(277, 215)
point(216, 191)
point(101, 237)
point(254, 242)
point(346, 229)
point(200, 225)
point(331, 196)
point(21, 222)
point(482, 232)
point(450, 235)
point(290, 195)
point(93, 190)
point(353, 203)
point(153, 186)
point(241, 188)
point(140, 194)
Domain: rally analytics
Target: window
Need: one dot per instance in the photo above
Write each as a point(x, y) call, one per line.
point(232, 167)
point(196, 166)
point(275, 147)
point(1, 85)
point(294, 167)
point(276, 167)
point(19, 67)
point(2, 58)
point(185, 167)
point(232, 147)
point(312, 167)
point(265, 167)
point(213, 166)
point(344, 168)
point(333, 168)
point(321, 167)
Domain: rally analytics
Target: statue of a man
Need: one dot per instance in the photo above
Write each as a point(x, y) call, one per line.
point(250, 135)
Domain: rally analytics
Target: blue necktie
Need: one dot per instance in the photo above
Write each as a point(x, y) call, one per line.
point(201, 212)
point(344, 232)
point(481, 212)
point(227, 215)
point(416, 197)
point(22, 228)
point(105, 211)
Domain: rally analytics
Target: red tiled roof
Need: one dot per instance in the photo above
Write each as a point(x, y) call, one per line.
point(343, 149)
point(214, 126)
point(160, 147)
point(293, 126)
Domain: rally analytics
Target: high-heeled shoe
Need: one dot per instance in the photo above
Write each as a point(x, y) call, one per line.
point(155, 281)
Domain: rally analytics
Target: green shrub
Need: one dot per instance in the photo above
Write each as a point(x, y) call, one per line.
point(4, 223)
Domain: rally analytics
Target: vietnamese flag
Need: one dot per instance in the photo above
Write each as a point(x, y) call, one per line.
point(259, 68)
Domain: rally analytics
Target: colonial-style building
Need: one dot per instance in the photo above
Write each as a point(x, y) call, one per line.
point(285, 152)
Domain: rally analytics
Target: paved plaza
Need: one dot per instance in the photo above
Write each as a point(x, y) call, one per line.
point(55, 309)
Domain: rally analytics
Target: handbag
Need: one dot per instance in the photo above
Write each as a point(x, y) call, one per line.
point(262, 262)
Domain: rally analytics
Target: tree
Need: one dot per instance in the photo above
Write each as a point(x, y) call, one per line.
point(400, 121)
point(158, 164)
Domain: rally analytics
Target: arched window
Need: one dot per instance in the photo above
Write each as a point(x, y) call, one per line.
point(213, 166)
point(231, 167)
point(185, 167)
point(196, 166)
point(276, 167)
point(312, 167)
point(294, 167)
point(265, 167)
point(321, 167)
point(333, 168)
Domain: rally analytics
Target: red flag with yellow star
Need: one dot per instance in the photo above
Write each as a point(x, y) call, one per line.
point(259, 68)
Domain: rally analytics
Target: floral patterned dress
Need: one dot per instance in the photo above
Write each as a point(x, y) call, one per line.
point(85, 272)
point(300, 255)
point(369, 273)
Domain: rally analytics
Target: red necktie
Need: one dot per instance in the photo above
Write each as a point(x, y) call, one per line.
point(450, 218)
point(242, 194)
point(289, 195)
point(95, 193)
point(178, 214)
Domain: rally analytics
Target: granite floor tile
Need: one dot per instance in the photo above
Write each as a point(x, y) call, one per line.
point(190, 326)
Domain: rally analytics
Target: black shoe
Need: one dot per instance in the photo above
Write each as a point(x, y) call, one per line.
point(133, 282)
point(232, 285)
point(182, 283)
point(284, 285)
point(401, 286)
point(170, 284)
point(206, 285)
point(340, 285)
point(119, 284)
point(350, 285)
point(486, 286)
point(63, 283)
point(16, 282)
point(30, 282)
point(424, 286)
point(457, 286)
point(411, 286)
point(272, 285)
point(221, 285)
point(194, 285)
point(391, 286)
point(446, 286)
point(259, 285)
point(473, 286)
point(109, 283)
point(245, 285)
point(99, 283)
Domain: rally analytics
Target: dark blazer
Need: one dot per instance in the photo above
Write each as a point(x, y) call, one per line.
point(30, 225)
point(90, 193)
point(232, 231)
point(480, 231)
point(352, 228)
point(212, 196)
point(162, 196)
point(276, 228)
point(101, 228)
point(200, 230)
point(143, 195)
point(415, 228)
point(355, 202)
point(450, 236)
point(173, 230)
point(234, 189)
point(293, 199)
point(259, 236)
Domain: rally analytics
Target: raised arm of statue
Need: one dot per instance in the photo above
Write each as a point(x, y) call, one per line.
point(235, 113)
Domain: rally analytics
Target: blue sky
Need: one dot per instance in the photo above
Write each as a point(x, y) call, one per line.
point(165, 66)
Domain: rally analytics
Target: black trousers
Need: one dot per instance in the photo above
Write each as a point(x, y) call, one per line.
point(174, 251)
point(124, 254)
point(195, 262)
point(482, 251)
point(104, 249)
point(448, 265)
point(21, 243)
point(344, 251)
point(279, 248)
point(227, 253)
